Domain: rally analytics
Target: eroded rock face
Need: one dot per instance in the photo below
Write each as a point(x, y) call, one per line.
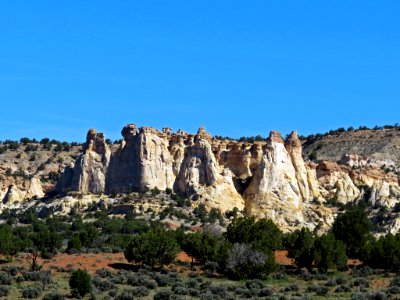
point(29, 189)
point(284, 185)
point(267, 178)
point(200, 174)
point(282, 174)
point(88, 174)
point(142, 162)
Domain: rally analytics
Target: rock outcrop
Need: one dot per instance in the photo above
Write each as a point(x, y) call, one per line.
point(142, 162)
point(267, 178)
point(28, 190)
point(88, 174)
point(201, 175)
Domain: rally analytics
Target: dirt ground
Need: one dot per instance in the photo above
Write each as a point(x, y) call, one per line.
point(93, 262)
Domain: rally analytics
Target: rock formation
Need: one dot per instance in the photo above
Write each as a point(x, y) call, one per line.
point(88, 174)
point(142, 162)
point(30, 189)
point(266, 178)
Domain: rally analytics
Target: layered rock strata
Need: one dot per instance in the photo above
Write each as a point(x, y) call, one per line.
point(266, 178)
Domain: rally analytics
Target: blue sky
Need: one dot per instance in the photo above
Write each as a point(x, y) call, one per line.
point(239, 68)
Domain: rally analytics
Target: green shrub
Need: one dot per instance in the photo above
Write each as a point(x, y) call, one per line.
point(394, 290)
point(163, 295)
point(291, 288)
point(31, 292)
point(151, 284)
point(140, 291)
point(207, 295)
point(162, 280)
point(104, 285)
point(132, 280)
point(329, 253)
point(53, 296)
point(352, 228)
point(194, 292)
point(343, 288)
point(361, 282)
point(103, 273)
point(359, 296)
point(244, 262)
point(301, 247)
point(261, 234)
point(5, 278)
point(32, 276)
point(80, 282)
point(156, 247)
point(125, 295)
point(266, 292)
point(4, 291)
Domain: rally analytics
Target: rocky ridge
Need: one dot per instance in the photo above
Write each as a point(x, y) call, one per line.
point(268, 178)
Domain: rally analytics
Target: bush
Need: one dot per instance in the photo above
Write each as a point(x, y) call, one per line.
point(261, 234)
point(359, 296)
point(132, 280)
point(207, 295)
point(140, 291)
point(383, 253)
point(163, 295)
point(54, 296)
point(12, 270)
point(45, 278)
point(395, 282)
point(80, 282)
point(329, 253)
point(125, 295)
point(193, 292)
point(32, 276)
point(335, 281)
point(362, 282)
point(362, 271)
point(119, 278)
point(162, 280)
point(344, 288)
point(156, 247)
point(291, 288)
point(31, 292)
point(105, 285)
point(4, 291)
point(322, 290)
point(301, 247)
point(243, 292)
point(352, 228)
point(151, 284)
point(103, 273)
point(393, 290)
point(180, 290)
point(266, 292)
point(377, 296)
point(244, 262)
point(5, 278)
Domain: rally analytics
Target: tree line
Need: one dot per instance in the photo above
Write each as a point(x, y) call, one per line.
point(245, 250)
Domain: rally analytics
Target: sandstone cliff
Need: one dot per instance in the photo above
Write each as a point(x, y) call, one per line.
point(266, 178)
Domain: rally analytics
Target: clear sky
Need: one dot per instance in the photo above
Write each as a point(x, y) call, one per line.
point(239, 68)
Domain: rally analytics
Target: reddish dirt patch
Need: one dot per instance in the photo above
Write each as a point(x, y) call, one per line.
point(91, 262)
point(352, 262)
point(196, 228)
point(171, 225)
point(183, 257)
point(379, 283)
point(281, 257)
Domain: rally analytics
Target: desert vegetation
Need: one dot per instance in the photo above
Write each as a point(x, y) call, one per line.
point(231, 257)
